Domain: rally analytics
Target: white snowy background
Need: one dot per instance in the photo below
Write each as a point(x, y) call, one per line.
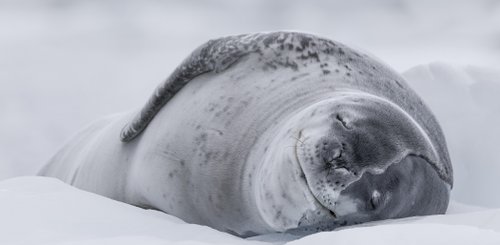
point(66, 63)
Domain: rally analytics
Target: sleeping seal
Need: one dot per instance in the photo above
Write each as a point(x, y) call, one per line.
point(270, 132)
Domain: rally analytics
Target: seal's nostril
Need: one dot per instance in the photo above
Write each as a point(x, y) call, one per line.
point(328, 162)
point(333, 214)
point(337, 153)
point(330, 151)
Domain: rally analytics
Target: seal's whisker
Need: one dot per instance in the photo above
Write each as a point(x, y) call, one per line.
point(171, 154)
point(301, 142)
point(298, 145)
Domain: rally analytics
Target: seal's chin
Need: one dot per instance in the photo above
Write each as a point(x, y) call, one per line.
point(408, 187)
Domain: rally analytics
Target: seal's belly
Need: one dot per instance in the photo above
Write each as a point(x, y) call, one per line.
point(200, 141)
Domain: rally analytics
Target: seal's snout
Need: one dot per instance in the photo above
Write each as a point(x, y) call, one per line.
point(327, 167)
point(329, 150)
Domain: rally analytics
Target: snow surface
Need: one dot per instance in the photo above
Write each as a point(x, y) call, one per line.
point(66, 63)
point(40, 210)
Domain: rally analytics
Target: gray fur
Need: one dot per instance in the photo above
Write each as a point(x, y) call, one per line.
point(265, 133)
point(217, 55)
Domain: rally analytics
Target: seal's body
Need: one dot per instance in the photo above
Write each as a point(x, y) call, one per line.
point(270, 132)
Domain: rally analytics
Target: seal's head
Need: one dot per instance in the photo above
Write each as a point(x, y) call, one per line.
point(365, 159)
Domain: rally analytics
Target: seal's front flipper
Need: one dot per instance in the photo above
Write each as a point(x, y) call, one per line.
point(213, 56)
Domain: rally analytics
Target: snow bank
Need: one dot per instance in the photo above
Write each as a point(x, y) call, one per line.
point(407, 234)
point(39, 210)
point(466, 101)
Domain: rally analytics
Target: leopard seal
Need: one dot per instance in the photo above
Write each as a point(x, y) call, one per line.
point(270, 132)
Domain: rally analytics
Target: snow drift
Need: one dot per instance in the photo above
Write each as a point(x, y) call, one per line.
point(40, 210)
